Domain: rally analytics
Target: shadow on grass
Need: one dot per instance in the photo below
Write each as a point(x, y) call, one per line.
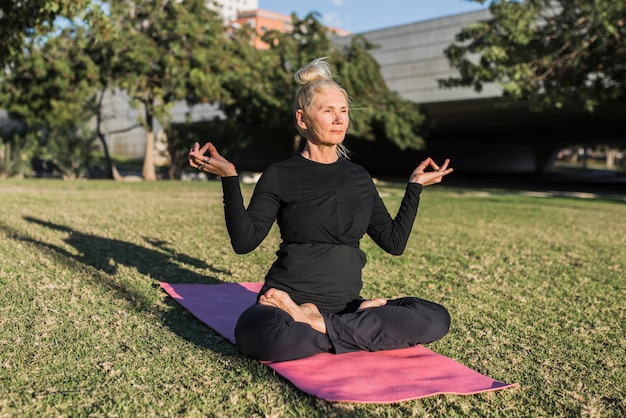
point(107, 254)
point(162, 263)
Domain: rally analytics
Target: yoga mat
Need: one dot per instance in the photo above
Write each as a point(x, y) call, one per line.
point(362, 377)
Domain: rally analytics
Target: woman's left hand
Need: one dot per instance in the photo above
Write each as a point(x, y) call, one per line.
point(426, 178)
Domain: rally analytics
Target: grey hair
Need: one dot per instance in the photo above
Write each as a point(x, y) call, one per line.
point(313, 78)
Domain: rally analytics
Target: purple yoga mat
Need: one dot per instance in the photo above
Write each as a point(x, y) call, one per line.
point(363, 377)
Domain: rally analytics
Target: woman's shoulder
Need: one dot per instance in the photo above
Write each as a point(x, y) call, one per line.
point(290, 162)
point(352, 165)
point(355, 168)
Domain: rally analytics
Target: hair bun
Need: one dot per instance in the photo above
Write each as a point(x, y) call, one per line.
point(316, 70)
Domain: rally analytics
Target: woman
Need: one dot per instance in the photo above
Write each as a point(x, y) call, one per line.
point(324, 205)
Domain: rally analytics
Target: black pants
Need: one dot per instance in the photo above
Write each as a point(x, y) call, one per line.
point(270, 334)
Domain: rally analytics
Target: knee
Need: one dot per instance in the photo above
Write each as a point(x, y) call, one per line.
point(434, 318)
point(441, 322)
point(270, 334)
point(251, 332)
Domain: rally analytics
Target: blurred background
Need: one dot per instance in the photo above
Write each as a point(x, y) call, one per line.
point(530, 93)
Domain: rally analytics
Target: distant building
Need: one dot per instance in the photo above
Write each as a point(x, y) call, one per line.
point(229, 9)
point(262, 21)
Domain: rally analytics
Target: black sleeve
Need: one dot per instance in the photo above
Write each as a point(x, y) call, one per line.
point(392, 234)
point(249, 227)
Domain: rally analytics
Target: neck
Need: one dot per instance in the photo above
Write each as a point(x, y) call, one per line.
point(323, 155)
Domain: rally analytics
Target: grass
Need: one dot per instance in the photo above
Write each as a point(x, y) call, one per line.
point(536, 288)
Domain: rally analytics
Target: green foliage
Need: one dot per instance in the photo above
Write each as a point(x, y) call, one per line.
point(50, 89)
point(546, 52)
point(17, 150)
point(28, 19)
point(255, 84)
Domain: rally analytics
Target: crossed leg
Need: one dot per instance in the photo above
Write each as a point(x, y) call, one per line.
point(278, 329)
point(306, 313)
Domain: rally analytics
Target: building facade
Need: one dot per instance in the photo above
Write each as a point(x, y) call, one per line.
point(229, 9)
point(262, 21)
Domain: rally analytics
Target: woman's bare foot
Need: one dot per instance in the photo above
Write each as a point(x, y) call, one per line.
point(307, 312)
point(373, 303)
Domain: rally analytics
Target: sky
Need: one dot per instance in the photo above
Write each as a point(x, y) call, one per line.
point(359, 16)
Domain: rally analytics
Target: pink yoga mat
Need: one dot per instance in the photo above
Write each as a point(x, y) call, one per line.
point(363, 377)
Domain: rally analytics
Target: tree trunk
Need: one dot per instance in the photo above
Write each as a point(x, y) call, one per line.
point(109, 174)
point(149, 172)
point(611, 154)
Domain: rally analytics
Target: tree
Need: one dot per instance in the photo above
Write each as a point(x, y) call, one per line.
point(170, 52)
point(24, 26)
point(49, 88)
point(20, 20)
point(546, 52)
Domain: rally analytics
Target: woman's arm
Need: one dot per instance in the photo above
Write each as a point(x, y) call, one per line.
point(247, 227)
point(390, 234)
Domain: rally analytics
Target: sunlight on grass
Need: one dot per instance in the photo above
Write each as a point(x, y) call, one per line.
point(535, 285)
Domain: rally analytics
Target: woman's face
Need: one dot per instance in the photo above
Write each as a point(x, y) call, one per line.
point(327, 120)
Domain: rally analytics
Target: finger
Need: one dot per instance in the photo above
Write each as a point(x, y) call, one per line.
point(213, 151)
point(422, 166)
point(444, 167)
point(441, 174)
point(196, 152)
point(434, 165)
point(192, 155)
point(204, 148)
point(194, 148)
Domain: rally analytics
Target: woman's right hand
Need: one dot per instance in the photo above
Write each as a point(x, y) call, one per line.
point(214, 163)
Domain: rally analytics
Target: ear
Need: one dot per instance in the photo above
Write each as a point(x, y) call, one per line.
point(301, 119)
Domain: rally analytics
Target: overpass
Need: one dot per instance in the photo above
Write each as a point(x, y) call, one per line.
point(470, 127)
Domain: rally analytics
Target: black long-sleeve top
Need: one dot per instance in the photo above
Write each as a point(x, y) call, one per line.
point(322, 210)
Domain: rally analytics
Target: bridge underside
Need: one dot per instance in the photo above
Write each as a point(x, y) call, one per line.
point(481, 136)
point(514, 138)
point(483, 120)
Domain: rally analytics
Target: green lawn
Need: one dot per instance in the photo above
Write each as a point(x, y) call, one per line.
point(536, 287)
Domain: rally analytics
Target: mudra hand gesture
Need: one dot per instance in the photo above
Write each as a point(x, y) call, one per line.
point(214, 163)
point(426, 178)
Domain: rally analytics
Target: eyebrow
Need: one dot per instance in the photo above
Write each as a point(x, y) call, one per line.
point(333, 107)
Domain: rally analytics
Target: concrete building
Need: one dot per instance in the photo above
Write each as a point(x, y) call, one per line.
point(263, 20)
point(411, 58)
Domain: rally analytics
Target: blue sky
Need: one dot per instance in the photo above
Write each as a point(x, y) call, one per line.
point(365, 15)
